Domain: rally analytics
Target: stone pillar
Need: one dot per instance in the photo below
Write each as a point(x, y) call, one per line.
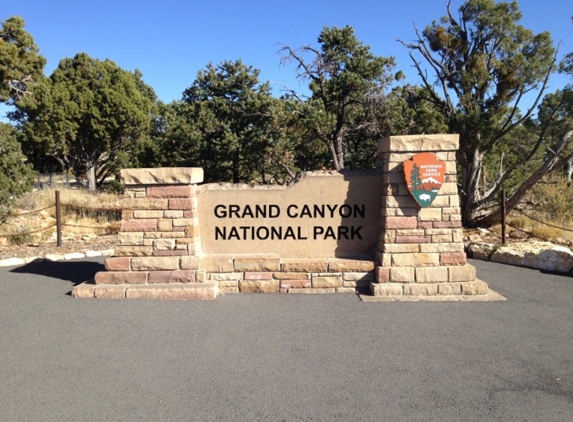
point(158, 252)
point(421, 250)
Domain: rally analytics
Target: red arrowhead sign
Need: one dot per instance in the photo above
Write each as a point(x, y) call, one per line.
point(424, 175)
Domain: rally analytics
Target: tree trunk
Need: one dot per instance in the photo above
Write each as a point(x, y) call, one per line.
point(470, 186)
point(91, 178)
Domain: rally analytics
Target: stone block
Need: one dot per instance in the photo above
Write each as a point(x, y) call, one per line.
point(155, 263)
point(476, 287)
point(448, 224)
point(415, 259)
point(162, 176)
point(258, 263)
point(410, 232)
point(192, 230)
point(344, 289)
point(449, 289)
point(413, 239)
point(173, 214)
point(218, 263)
point(139, 225)
point(83, 290)
point(420, 289)
point(442, 247)
point(144, 204)
point(430, 214)
point(177, 252)
point(259, 286)
point(398, 157)
point(169, 191)
point(442, 238)
point(418, 143)
point(441, 201)
point(358, 276)
point(313, 290)
point(164, 244)
point(453, 258)
point(295, 284)
point(120, 277)
point(458, 235)
point(180, 204)
point(402, 248)
point(402, 275)
point(196, 291)
point(406, 211)
point(304, 265)
point(432, 275)
point(176, 276)
point(401, 222)
point(130, 238)
point(449, 188)
point(190, 262)
point(185, 222)
point(143, 214)
point(382, 274)
point(327, 281)
point(181, 241)
point(385, 259)
point(201, 276)
point(348, 265)
point(259, 275)
point(225, 276)
point(118, 264)
point(465, 272)
point(539, 255)
point(387, 289)
point(291, 276)
point(228, 286)
point(109, 292)
point(357, 283)
point(151, 235)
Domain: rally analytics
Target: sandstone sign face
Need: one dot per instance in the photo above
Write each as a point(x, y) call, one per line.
point(322, 214)
point(424, 175)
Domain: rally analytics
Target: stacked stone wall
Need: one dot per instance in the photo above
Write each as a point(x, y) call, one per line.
point(159, 244)
point(273, 274)
point(421, 250)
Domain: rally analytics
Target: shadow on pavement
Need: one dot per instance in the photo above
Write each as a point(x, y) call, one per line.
point(74, 271)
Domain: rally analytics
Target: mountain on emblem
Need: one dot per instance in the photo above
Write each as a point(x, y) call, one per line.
point(424, 175)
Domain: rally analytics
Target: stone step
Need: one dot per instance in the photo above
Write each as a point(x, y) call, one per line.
point(179, 291)
point(475, 287)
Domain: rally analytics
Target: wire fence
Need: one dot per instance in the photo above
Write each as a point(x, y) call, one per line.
point(114, 212)
point(538, 220)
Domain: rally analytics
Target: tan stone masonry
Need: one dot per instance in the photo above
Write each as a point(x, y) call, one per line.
point(419, 252)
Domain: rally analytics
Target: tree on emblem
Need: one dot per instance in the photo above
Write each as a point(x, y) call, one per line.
point(415, 180)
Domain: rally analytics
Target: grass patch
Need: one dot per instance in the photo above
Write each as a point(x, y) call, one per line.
point(83, 213)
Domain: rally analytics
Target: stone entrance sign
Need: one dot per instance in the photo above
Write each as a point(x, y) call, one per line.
point(395, 232)
point(321, 215)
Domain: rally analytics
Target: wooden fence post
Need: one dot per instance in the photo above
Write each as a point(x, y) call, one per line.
point(58, 219)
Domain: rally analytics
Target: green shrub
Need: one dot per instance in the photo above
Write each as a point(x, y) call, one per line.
point(16, 178)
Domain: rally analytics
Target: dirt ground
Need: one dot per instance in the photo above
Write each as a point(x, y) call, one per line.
point(69, 245)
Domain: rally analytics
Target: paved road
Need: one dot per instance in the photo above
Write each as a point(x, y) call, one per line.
point(284, 357)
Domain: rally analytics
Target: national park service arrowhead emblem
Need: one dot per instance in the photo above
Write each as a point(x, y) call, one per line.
point(424, 175)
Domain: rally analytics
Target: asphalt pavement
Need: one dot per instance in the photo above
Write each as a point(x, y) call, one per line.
point(276, 357)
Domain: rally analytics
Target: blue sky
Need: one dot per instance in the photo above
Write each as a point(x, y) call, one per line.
point(169, 41)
